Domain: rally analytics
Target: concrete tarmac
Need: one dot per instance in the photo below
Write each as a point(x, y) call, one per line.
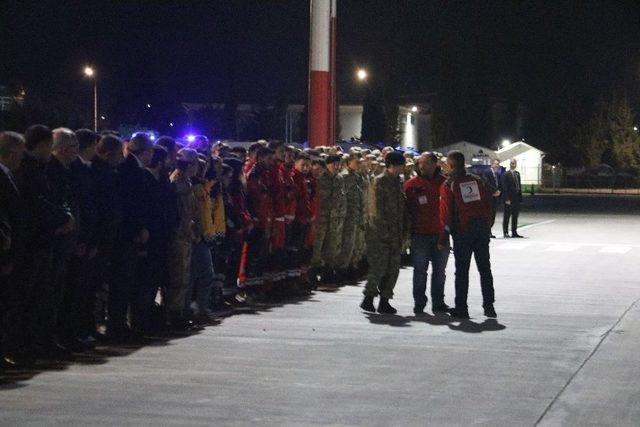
point(563, 351)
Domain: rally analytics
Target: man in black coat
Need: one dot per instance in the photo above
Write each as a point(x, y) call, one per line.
point(109, 214)
point(44, 221)
point(494, 187)
point(12, 249)
point(135, 234)
point(77, 324)
point(512, 197)
point(66, 194)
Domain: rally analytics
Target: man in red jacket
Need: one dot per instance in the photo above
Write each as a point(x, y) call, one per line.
point(303, 216)
point(423, 205)
point(465, 214)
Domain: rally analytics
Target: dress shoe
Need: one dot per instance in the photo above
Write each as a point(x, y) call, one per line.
point(493, 237)
point(444, 308)
point(367, 304)
point(418, 310)
point(459, 313)
point(516, 235)
point(385, 308)
point(489, 311)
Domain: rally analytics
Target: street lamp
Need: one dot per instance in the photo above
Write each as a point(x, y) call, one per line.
point(505, 142)
point(89, 72)
point(414, 109)
point(361, 74)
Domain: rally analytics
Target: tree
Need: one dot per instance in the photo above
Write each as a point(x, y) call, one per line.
point(612, 138)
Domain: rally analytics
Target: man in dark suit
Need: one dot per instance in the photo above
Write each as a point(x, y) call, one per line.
point(494, 187)
point(12, 250)
point(512, 197)
point(132, 248)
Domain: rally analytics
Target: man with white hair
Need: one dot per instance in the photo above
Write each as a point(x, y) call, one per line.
point(512, 196)
point(64, 195)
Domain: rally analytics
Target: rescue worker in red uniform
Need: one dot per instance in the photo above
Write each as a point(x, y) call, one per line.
point(260, 207)
point(465, 214)
point(423, 205)
point(280, 199)
point(303, 217)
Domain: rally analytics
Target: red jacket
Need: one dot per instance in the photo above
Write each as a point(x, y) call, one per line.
point(259, 197)
point(462, 198)
point(302, 199)
point(423, 203)
point(248, 165)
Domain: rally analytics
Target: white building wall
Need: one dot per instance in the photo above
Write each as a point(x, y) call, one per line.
point(529, 166)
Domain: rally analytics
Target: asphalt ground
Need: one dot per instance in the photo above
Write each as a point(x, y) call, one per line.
point(563, 351)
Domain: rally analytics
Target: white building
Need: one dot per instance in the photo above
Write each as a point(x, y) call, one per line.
point(474, 154)
point(529, 161)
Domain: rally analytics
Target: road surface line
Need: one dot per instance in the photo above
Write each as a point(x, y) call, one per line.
point(563, 247)
point(584, 362)
point(535, 224)
point(615, 249)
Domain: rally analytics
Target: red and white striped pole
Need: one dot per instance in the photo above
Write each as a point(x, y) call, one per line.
point(333, 114)
point(320, 73)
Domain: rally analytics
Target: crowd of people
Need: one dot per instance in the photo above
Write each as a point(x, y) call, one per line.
point(111, 238)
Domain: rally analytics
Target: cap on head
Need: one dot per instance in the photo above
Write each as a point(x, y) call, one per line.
point(394, 158)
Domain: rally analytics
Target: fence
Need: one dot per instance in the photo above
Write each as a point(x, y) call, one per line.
point(603, 180)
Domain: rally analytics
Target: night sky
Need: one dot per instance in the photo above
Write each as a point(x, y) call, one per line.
point(257, 51)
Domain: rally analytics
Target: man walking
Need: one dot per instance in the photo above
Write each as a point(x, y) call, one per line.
point(512, 196)
point(423, 205)
point(386, 233)
point(465, 214)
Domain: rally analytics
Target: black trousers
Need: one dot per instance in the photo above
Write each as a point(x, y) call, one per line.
point(473, 242)
point(511, 212)
point(494, 209)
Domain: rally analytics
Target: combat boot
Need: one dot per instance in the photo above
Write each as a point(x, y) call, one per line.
point(385, 308)
point(367, 304)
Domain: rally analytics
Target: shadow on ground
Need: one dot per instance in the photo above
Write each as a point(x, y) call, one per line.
point(14, 377)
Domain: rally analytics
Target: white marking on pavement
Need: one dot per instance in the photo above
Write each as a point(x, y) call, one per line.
point(535, 224)
point(563, 247)
point(513, 246)
point(615, 249)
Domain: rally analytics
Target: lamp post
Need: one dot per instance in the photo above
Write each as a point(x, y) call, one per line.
point(89, 72)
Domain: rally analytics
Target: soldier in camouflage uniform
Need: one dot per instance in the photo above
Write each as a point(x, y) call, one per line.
point(386, 233)
point(333, 206)
point(354, 219)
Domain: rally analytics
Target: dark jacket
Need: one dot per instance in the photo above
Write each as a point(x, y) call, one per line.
point(511, 187)
point(493, 181)
point(163, 211)
point(41, 215)
point(105, 181)
point(88, 210)
point(133, 178)
point(12, 219)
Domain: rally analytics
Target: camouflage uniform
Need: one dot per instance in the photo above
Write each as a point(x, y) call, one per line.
point(333, 206)
point(360, 247)
point(386, 232)
point(353, 219)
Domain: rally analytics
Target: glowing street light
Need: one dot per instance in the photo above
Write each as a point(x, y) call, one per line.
point(635, 128)
point(414, 109)
point(505, 142)
point(361, 74)
point(89, 72)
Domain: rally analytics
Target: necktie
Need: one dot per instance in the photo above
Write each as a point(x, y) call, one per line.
point(516, 177)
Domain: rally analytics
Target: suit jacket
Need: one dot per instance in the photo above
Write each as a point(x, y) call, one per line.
point(42, 215)
point(105, 181)
point(135, 202)
point(88, 210)
point(12, 218)
point(492, 181)
point(511, 187)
